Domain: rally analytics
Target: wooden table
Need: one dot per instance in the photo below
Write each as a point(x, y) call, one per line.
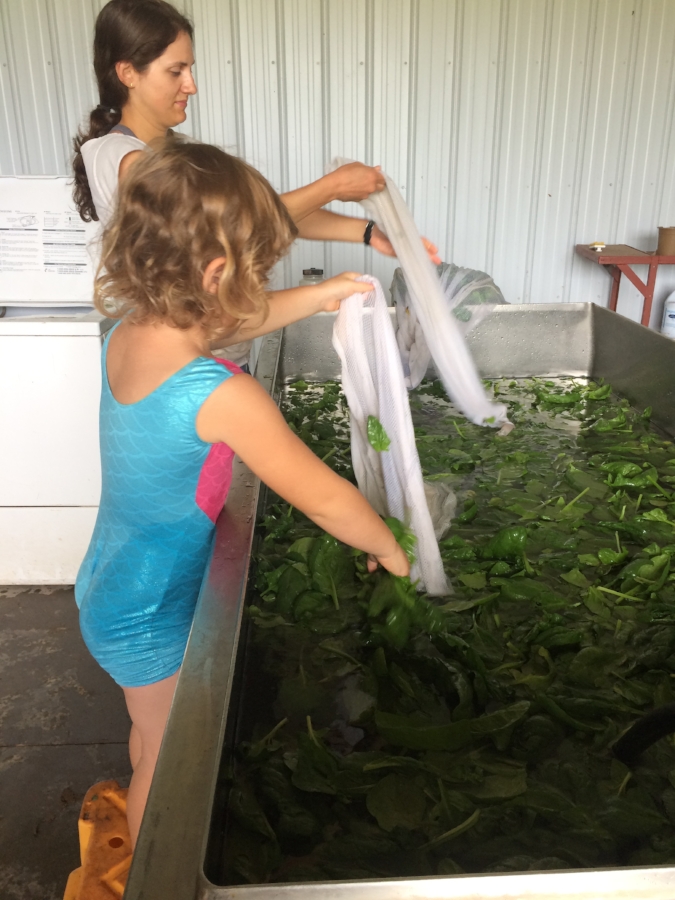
point(618, 259)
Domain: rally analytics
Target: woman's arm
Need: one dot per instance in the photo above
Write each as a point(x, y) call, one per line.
point(354, 181)
point(323, 225)
point(241, 414)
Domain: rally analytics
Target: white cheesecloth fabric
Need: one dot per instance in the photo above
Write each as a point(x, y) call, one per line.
point(470, 296)
point(372, 379)
point(449, 352)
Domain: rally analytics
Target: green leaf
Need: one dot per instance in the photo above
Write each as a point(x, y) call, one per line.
point(601, 393)
point(587, 559)
point(293, 581)
point(249, 857)
point(597, 603)
point(332, 567)
point(402, 731)
point(499, 787)
point(581, 480)
point(609, 557)
point(575, 577)
point(508, 543)
point(474, 580)
point(632, 816)
point(657, 515)
point(300, 549)
point(612, 424)
point(591, 664)
point(377, 436)
point(405, 732)
point(245, 808)
point(296, 822)
point(404, 536)
point(527, 589)
point(316, 770)
point(396, 802)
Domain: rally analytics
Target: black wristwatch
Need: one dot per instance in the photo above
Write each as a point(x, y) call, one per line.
point(367, 234)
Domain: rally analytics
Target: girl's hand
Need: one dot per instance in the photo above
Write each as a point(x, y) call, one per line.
point(397, 563)
point(333, 290)
point(380, 242)
point(356, 181)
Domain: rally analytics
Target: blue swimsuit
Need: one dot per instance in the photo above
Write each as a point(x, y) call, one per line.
point(162, 491)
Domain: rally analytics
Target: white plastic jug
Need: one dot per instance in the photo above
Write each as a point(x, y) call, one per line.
point(668, 323)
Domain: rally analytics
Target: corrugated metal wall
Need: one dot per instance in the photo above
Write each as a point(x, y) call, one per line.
point(515, 128)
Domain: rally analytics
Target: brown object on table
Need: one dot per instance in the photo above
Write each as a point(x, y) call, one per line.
point(666, 245)
point(618, 259)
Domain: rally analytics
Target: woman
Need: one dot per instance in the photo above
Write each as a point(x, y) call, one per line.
point(143, 62)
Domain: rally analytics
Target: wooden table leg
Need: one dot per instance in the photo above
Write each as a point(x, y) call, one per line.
point(615, 272)
point(647, 290)
point(649, 294)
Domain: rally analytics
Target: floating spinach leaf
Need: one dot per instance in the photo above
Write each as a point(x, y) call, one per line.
point(404, 536)
point(397, 801)
point(581, 480)
point(405, 732)
point(332, 568)
point(508, 543)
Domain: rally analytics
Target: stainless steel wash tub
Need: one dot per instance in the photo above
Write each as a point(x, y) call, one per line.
point(171, 856)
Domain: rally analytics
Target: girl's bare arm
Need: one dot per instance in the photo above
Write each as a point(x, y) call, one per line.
point(240, 413)
point(294, 304)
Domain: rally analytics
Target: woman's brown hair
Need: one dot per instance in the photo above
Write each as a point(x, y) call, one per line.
point(181, 206)
point(135, 31)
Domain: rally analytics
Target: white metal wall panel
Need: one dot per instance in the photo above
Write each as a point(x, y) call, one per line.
point(347, 64)
point(301, 78)
point(515, 128)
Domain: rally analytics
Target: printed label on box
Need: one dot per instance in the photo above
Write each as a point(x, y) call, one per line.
point(47, 253)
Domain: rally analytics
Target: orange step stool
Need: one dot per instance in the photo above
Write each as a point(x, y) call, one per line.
point(105, 845)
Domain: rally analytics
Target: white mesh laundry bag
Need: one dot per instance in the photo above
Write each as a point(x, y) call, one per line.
point(449, 352)
point(372, 379)
point(470, 295)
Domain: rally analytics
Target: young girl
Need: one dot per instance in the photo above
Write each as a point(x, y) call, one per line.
point(185, 260)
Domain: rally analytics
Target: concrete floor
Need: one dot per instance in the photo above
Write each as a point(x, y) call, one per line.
point(63, 727)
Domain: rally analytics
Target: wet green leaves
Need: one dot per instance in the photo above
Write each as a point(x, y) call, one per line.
point(421, 737)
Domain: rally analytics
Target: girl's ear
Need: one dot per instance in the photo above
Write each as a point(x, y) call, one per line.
point(212, 273)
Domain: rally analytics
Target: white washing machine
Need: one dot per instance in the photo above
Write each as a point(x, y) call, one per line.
point(50, 382)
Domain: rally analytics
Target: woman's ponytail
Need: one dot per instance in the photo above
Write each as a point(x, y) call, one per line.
point(101, 120)
point(135, 31)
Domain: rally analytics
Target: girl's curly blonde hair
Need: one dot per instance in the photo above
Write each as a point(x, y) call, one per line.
point(181, 206)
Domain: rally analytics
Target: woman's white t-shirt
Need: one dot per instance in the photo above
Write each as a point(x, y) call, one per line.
point(102, 157)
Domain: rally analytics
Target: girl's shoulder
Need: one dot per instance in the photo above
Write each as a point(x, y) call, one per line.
point(213, 369)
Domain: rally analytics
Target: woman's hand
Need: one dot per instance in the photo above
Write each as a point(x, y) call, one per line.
point(380, 242)
point(356, 181)
point(397, 563)
point(333, 290)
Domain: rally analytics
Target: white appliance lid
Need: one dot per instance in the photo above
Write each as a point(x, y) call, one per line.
point(44, 326)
